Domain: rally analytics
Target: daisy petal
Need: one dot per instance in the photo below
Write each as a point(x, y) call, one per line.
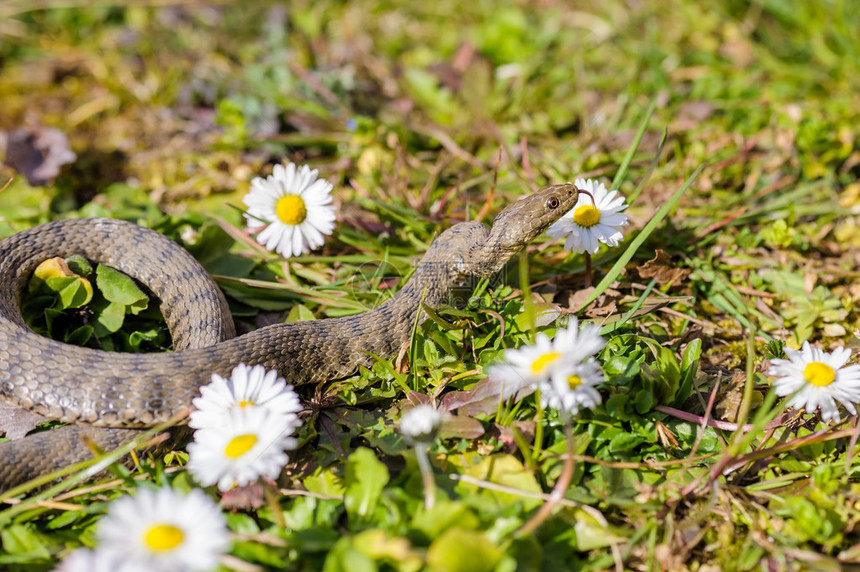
point(306, 198)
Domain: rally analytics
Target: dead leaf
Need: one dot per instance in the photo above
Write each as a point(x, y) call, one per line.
point(605, 305)
point(37, 153)
point(17, 422)
point(696, 110)
point(401, 364)
point(729, 401)
point(665, 436)
point(417, 399)
point(483, 398)
point(809, 280)
point(249, 496)
point(546, 313)
point(461, 427)
point(662, 269)
point(622, 140)
point(505, 434)
point(578, 297)
point(480, 400)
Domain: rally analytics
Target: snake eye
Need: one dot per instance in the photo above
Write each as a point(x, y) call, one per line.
point(552, 203)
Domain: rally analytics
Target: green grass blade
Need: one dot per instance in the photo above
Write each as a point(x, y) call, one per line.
point(631, 151)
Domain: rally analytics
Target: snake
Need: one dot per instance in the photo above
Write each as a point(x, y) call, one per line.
point(108, 397)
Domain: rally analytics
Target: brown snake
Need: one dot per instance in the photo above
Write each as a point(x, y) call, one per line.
point(94, 389)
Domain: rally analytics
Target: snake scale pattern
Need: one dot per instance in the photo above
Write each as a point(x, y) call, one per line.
point(107, 395)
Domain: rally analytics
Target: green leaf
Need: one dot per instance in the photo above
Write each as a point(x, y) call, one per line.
point(70, 289)
point(621, 369)
point(689, 367)
point(55, 274)
point(325, 483)
point(79, 265)
point(667, 382)
point(260, 553)
point(345, 557)
point(425, 87)
point(242, 523)
point(52, 314)
point(299, 313)
point(616, 405)
point(120, 289)
point(591, 534)
point(25, 544)
point(79, 336)
point(138, 337)
point(462, 550)
point(365, 478)
point(78, 293)
point(624, 443)
point(443, 516)
point(109, 318)
point(503, 469)
point(643, 401)
point(431, 354)
point(68, 517)
point(371, 546)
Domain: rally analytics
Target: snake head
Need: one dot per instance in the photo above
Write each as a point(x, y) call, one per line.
point(521, 222)
point(470, 249)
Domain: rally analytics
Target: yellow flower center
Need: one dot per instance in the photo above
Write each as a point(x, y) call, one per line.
point(245, 403)
point(291, 209)
point(240, 445)
point(574, 381)
point(162, 537)
point(819, 374)
point(586, 216)
point(541, 363)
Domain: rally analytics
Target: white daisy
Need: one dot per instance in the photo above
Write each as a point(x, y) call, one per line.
point(577, 344)
point(420, 424)
point(572, 388)
point(248, 387)
point(294, 207)
point(249, 444)
point(85, 560)
point(531, 365)
point(165, 530)
point(817, 379)
point(526, 366)
point(590, 223)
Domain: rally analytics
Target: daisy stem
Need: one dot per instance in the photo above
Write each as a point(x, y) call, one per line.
point(538, 428)
point(270, 492)
point(584, 192)
point(426, 475)
point(561, 485)
point(588, 270)
point(749, 385)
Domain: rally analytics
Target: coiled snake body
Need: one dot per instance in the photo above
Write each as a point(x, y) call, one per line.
point(95, 389)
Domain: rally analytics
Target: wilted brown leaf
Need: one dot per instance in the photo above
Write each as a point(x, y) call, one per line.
point(17, 422)
point(605, 305)
point(461, 427)
point(37, 153)
point(505, 434)
point(661, 269)
point(481, 399)
point(249, 496)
